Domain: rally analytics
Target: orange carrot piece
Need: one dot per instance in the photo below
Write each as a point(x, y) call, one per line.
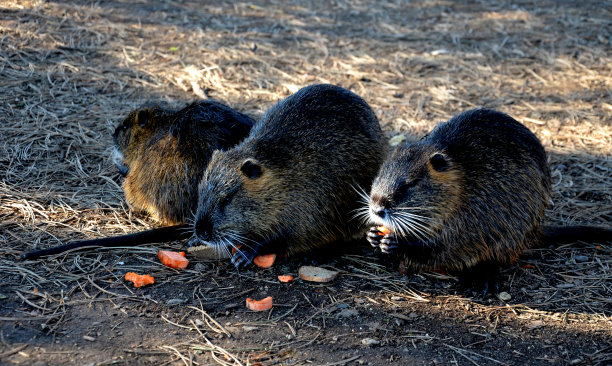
point(235, 248)
point(139, 280)
point(172, 259)
point(383, 230)
point(264, 261)
point(261, 305)
point(285, 278)
point(183, 254)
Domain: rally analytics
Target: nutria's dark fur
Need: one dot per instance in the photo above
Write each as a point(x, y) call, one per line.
point(468, 197)
point(291, 184)
point(163, 154)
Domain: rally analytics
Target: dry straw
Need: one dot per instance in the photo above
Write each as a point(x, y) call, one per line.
point(69, 71)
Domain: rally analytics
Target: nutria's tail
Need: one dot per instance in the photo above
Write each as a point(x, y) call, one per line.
point(572, 234)
point(158, 235)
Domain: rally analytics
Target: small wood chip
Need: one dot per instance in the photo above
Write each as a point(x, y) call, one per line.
point(504, 296)
point(397, 140)
point(369, 341)
point(207, 252)
point(316, 274)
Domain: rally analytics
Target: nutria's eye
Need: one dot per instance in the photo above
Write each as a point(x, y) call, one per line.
point(438, 162)
point(251, 169)
point(143, 117)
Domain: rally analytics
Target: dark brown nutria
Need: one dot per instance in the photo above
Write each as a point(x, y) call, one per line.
point(290, 185)
point(163, 154)
point(468, 197)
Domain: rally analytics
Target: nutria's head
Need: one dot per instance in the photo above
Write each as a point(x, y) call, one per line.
point(415, 191)
point(135, 128)
point(240, 199)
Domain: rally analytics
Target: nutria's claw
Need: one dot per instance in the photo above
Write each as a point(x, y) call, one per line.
point(373, 236)
point(242, 258)
point(388, 243)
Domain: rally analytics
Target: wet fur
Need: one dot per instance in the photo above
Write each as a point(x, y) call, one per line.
point(289, 186)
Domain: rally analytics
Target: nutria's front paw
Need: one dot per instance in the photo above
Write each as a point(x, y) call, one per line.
point(243, 257)
point(388, 243)
point(373, 236)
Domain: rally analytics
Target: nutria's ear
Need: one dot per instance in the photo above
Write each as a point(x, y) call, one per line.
point(142, 117)
point(251, 169)
point(438, 162)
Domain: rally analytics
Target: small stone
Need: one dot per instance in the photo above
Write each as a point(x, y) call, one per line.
point(396, 298)
point(369, 342)
point(175, 301)
point(504, 296)
point(575, 361)
point(89, 338)
point(581, 258)
point(247, 328)
point(347, 313)
point(413, 315)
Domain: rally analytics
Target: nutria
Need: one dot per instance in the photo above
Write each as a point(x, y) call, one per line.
point(163, 153)
point(290, 186)
point(468, 197)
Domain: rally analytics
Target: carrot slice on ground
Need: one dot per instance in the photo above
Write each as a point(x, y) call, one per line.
point(139, 280)
point(265, 261)
point(285, 278)
point(172, 259)
point(261, 305)
point(383, 230)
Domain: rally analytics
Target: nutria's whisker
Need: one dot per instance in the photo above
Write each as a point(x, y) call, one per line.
point(411, 227)
point(361, 213)
point(240, 239)
point(365, 198)
point(419, 221)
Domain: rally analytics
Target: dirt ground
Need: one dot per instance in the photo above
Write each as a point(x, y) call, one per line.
point(70, 70)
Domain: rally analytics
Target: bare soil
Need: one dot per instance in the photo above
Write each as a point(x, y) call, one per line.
point(71, 70)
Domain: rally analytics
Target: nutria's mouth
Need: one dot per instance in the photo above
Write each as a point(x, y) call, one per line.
point(118, 159)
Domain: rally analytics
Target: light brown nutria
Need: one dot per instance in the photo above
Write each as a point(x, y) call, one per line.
point(163, 154)
point(290, 185)
point(468, 197)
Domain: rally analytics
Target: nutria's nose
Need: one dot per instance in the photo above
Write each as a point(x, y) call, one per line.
point(203, 228)
point(381, 202)
point(381, 212)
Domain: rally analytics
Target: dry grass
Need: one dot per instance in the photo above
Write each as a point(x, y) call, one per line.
point(69, 71)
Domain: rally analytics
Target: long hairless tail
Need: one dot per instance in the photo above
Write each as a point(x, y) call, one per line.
point(572, 234)
point(159, 235)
